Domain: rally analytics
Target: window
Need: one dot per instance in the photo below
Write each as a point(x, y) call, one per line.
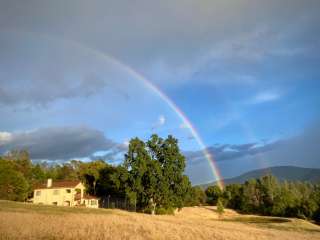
point(38, 193)
point(68, 190)
point(54, 203)
point(93, 202)
point(56, 192)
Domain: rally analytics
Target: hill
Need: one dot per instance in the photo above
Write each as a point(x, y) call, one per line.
point(289, 173)
point(28, 221)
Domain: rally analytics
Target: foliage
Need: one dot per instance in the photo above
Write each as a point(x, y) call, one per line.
point(220, 207)
point(268, 196)
point(89, 173)
point(195, 197)
point(19, 175)
point(165, 211)
point(107, 184)
point(151, 177)
point(154, 177)
point(213, 194)
point(13, 185)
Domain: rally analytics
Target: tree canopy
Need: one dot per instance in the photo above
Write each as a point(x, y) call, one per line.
point(270, 197)
point(155, 173)
point(152, 178)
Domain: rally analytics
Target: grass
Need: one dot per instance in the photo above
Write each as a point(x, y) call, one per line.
point(285, 224)
point(27, 221)
point(9, 206)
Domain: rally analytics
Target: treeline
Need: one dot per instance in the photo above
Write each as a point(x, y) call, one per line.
point(268, 196)
point(151, 176)
point(19, 175)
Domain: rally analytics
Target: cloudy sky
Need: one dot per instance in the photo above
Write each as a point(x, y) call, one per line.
point(245, 73)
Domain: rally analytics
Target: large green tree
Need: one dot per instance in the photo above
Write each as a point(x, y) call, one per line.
point(13, 185)
point(89, 173)
point(213, 194)
point(108, 183)
point(155, 173)
point(195, 196)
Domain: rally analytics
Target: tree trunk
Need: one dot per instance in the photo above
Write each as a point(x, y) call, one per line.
point(153, 205)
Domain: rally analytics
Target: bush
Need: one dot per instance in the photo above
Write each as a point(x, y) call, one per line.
point(316, 216)
point(220, 207)
point(213, 194)
point(148, 210)
point(165, 211)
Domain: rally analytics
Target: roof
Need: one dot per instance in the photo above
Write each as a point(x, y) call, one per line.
point(58, 184)
point(85, 196)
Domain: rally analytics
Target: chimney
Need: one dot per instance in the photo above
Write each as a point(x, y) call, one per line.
point(49, 183)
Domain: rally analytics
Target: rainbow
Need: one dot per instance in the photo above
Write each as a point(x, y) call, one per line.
point(180, 114)
point(150, 85)
point(172, 105)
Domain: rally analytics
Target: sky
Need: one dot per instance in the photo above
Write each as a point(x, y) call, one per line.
point(79, 79)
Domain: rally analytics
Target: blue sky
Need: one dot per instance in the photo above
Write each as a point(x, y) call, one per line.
point(246, 74)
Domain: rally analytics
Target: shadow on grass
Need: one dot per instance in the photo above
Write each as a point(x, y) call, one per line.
point(260, 220)
point(278, 223)
point(210, 209)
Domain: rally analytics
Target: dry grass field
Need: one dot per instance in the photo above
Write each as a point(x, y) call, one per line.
point(26, 221)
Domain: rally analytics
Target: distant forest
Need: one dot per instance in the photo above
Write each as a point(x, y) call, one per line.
point(152, 176)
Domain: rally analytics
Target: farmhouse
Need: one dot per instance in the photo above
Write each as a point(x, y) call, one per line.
point(63, 193)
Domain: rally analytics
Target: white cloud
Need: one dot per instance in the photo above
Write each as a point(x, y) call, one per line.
point(126, 142)
point(160, 122)
point(266, 96)
point(5, 137)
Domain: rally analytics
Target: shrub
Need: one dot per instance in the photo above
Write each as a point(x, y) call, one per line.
point(220, 207)
point(165, 211)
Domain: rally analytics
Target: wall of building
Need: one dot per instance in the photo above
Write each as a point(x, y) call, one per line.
point(91, 203)
point(57, 196)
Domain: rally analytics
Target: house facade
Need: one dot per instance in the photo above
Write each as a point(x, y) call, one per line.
point(63, 193)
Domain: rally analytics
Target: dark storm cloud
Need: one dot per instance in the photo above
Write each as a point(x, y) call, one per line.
point(226, 152)
point(44, 92)
point(172, 41)
point(302, 151)
point(58, 143)
point(286, 150)
point(51, 71)
point(113, 157)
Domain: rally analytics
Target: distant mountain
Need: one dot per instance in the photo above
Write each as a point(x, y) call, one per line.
point(288, 173)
